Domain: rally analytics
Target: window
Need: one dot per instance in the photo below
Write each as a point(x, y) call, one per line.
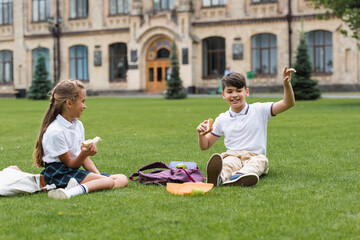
point(213, 3)
point(320, 50)
point(118, 62)
point(119, 7)
point(79, 8)
point(163, 53)
point(214, 57)
point(79, 63)
point(263, 1)
point(6, 12)
point(6, 67)
point(41, 10)
point(35, 55)
point(151, 74)
point(264, 53)
point(161, 5)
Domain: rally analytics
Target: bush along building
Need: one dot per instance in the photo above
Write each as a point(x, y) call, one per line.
point(117, 47)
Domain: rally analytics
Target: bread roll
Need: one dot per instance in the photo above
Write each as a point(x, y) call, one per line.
point(209, 127)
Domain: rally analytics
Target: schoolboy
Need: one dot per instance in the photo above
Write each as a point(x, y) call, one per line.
point(244, 127)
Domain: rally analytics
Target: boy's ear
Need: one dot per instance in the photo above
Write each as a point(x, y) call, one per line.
point(223, 95)
point(247, 91)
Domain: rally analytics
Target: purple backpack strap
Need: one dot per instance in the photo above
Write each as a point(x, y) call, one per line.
point(133, 175)
point(153, 165)
point(162, 173)
point(188, 175)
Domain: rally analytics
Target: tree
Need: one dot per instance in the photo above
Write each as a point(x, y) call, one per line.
point(40, 85)
point(175, 88)
point(347, 10)
point(304, 87)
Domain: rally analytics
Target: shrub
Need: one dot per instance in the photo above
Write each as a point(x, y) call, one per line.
point(40, 85)
point(304, 87)
point(175, 88)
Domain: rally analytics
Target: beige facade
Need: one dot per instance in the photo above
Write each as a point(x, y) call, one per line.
point(142, 29)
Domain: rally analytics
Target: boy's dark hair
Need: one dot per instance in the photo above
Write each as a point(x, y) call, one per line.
point(233, 79)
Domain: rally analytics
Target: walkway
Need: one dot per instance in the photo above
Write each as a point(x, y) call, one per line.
point(354, 95)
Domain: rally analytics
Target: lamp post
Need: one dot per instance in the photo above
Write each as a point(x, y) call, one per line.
point(54, 28)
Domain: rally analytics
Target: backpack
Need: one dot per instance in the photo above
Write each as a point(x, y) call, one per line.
point(14, 181)
point(165, 174)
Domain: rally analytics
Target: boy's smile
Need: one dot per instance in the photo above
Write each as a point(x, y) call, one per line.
point(235, 97)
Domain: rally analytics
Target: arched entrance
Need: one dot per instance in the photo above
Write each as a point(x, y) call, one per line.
point(158, 65)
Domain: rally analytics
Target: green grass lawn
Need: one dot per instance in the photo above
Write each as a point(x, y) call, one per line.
point(311, 192)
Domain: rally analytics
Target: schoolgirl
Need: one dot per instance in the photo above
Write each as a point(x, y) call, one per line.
point(59, 148)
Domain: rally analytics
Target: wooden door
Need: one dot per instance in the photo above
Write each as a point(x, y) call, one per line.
point(158, 65)
point(156, 75)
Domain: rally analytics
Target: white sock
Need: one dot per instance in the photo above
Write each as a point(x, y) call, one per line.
point(80, 189)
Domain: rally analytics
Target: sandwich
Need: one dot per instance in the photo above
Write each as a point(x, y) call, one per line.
point(95, 141)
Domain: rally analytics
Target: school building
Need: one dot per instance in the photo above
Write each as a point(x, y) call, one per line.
point(119, 46)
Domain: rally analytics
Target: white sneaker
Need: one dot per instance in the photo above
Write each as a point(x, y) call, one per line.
point(72, 183)
point(59, 193)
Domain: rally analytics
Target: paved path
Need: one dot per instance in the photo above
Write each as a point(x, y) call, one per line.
point(354, 95)
point(323, 95)
point(344, 95)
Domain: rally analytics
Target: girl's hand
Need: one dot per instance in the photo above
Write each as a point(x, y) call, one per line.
point(202, 127)
point(91, 150)
point(287, 74)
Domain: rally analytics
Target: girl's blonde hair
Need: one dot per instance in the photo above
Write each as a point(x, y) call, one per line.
point(64, 90)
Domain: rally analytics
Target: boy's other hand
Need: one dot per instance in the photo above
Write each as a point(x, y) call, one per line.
point(202, 127)
point(287, 74)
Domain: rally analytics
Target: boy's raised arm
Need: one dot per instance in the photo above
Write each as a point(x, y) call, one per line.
point(289, 99)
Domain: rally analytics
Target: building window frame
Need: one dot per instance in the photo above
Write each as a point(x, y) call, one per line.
point(79, 63)
point(213, 3)
point(320, 51)
point(40, 10)
point(6, 12)
point(263, 1)
point(214, 60)
point(6, 67)
point(117, 7)
point(264, 54)
point(79, 9)
point(118, 55)
point(163, 5)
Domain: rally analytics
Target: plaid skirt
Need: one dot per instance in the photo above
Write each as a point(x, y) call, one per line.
point(59, 174)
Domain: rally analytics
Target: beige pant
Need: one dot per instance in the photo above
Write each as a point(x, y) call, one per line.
point(235, 162)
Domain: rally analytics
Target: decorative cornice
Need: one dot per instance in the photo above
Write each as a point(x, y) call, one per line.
point(238, 21)
point(103, 31)
point(252, 20)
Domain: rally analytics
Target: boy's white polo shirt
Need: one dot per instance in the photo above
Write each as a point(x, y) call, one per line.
point(62, 136)
point(246, 130)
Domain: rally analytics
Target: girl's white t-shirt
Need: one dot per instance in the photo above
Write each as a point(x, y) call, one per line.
point(62, 136)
